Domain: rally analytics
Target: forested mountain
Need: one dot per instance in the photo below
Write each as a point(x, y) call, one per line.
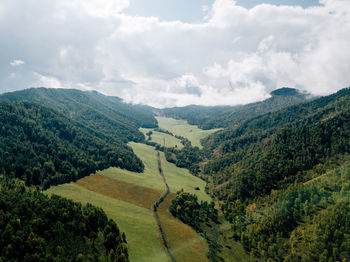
point(226, 116)
point(35, 227)
point(282, 178)
point(44, 147)
point(109, 115)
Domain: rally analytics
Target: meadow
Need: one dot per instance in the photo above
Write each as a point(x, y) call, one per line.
point(162, 138)
point(137, 222)
point(127, 197)
point(177, 178)
point(182, 128)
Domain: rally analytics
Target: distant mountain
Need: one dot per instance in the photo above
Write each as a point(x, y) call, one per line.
point(43, 147)
point(225, 116)
point(109, 115)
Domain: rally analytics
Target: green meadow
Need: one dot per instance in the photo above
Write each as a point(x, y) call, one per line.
point(162, 138)
point(138, 223)
point(182, 128)
point(177, 178)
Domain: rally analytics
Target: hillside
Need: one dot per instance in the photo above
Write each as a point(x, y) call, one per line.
point(225, 116)
point(106, 114)
point(281, 178)
point(43, 147)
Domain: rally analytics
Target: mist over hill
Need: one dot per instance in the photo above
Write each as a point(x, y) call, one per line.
point(224, 116)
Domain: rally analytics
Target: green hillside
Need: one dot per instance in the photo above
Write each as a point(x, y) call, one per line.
point(225, 116)
point(281, 177)
point(106, 114)
point(43, 147)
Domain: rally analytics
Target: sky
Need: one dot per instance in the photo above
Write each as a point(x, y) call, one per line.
point(168, 53)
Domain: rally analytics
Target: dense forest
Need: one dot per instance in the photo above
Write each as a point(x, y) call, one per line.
point(106, 114)
point(226, 116)
point(35, 227)
point(43, 147)
point(186, 207)
point(282, 178)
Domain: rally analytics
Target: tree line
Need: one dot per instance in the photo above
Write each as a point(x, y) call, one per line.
point(35, 227)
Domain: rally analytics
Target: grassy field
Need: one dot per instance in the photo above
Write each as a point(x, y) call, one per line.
point(126, 197)
point(160, 138)
point(137, 222)
point(177, 178)
point(182, 128)
point(150, 177)
point(181, 178)
point(131, 193)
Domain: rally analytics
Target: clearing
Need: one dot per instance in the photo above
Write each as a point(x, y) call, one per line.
point(184, 129)
point(162, 138)
point(138, 223)
point(127, 197)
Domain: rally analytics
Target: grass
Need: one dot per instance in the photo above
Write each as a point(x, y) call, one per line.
point(150, 177)
point(185, 244)
point(181, 178)
point(127, 197)
point(131, 193)
point(177, 178)
point(160, 138)
point(182, 128)
point(138, 223)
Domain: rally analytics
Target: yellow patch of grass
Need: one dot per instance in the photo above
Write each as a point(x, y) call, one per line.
point(131, 193)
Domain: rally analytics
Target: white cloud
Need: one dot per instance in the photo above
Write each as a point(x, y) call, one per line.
point(47, 81)
point(97, 8)
point(235, 55)
point(15, 63)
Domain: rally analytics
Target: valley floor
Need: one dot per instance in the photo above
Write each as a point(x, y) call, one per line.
point(127, 197)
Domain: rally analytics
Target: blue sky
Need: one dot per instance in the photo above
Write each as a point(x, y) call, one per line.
point(192, 10)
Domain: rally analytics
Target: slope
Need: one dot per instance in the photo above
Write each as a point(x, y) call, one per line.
point(108, 115)
point(43, 147)
point(281, 174)
point(225, 116)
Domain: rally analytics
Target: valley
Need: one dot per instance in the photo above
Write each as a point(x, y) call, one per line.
point(273, 186)
point(127, 197)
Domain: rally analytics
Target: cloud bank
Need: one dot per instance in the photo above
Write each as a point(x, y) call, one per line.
point(234, 56)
